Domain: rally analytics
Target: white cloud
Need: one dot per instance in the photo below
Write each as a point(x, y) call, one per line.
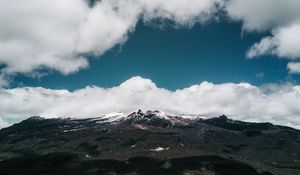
point(284, 43)
point(272, 103)
point(282, 18)
point(38, 34)
point(55, 34)
point(294, 67)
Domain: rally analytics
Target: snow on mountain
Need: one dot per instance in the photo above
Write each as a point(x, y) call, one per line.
point(149, 117)
point(110, 118)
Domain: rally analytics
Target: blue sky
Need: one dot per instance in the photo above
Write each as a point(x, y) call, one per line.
point(66, 58)
point(175, 58)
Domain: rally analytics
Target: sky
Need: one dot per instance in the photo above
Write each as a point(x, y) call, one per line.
point(72, 58)
point(174, 59)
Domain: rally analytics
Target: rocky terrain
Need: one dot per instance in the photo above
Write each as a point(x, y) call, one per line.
point(148, 143)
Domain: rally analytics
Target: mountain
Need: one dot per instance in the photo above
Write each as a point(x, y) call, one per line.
point(148, 143)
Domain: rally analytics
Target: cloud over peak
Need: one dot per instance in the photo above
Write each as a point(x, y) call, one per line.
point(273, 103)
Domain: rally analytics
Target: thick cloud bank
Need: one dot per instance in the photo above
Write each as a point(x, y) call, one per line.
point(274, 103)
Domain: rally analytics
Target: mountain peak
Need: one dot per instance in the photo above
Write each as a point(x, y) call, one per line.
point(36, 118)
point(140, 111)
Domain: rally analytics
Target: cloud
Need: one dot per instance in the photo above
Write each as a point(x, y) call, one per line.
point(281, 18)
point(272, 103)
point(262, 15)
point(294, 67)
point(36, 34)
point(56, 34)
point(260, 75)
point(3, 123)
point(182, 12)
point(284, 43)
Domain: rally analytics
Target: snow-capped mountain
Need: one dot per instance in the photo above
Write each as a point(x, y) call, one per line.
point(110, 118)
point(179, 144)
point(154, 117)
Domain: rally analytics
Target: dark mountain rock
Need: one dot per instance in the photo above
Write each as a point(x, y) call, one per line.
point(148, 143)
point(68, 164)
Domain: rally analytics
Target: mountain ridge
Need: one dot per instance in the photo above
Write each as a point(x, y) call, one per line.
point(116, 117)
point(157, 137)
